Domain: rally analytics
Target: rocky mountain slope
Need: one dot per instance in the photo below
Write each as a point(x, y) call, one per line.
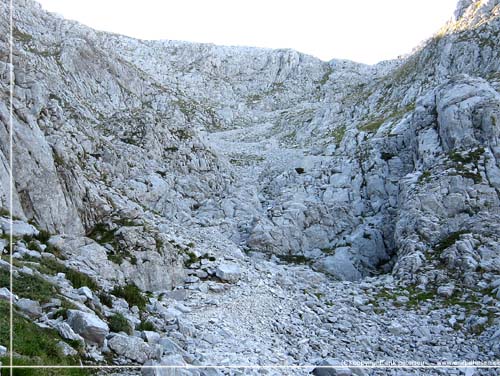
point(182, 203)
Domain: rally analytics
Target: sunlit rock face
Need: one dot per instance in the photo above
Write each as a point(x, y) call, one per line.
point(185, 204)
point(356, 168)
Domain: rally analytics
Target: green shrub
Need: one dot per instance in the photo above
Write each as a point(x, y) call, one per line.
point(55, 251)
point(131, 294)
point(106, 299)
point(146, 325)
point(32, 244)
point(102, 234)
point(61, 312)
point(294, 259)
point(448, 241)
point(425, 177)
point(43, 236)
point(51, 266)
point(192, 258)
point(79, 279)
point(116, 258)
point(118, 323)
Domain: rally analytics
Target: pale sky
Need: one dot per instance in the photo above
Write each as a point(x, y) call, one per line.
point(361, 30)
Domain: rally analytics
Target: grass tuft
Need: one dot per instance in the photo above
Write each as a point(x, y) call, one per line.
point(131, 294)
point(118, 323)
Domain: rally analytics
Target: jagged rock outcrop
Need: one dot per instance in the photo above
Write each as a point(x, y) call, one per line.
point(456, 194)
point(316, 156)
point(310, 199)
point(315, 127)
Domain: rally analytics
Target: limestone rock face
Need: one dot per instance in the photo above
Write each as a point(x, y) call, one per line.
point(131, 149)
point(459, 192)
point(228, 205)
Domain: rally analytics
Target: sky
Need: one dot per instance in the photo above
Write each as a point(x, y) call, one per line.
point(366, 31)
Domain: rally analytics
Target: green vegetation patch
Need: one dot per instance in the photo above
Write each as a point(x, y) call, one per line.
point(21, 36)
point(375, 124)
point(102, 234)
point(418, 297)
point(29, 286)
point(79, 279)
point(462, 159)
point(448, 241)
point(470, 157)
point(338, 134)
point(146, 325)
point(106, 299)
point(35, 346)
point(118, 323)
point(325, 77)
point(425, 177)
point(132, 294)
point(182, 134)
point(190, 257)
point(187, 108)
point(294, 259)
point(51, 267)
point(372, 126)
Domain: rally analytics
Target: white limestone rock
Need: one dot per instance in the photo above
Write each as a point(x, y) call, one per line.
point(19, 228)
point(88, 325)
point(66, 332)
point(29, 307)
point(6, 295)
point(228, 272)
point(133, 348)
point(66, 349)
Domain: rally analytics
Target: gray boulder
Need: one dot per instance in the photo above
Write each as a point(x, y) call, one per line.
point(19, 228)
point(169, 346)
point(66, 332)
point(30, 307)
point(66, 349)
point(339, 265)
point(173, 361)
point(133, 348)
point(88, 325)
point(150, 337)
point(5, 294)
point(228, 272)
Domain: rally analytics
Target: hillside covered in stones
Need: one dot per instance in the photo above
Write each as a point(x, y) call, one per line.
point(184, 204)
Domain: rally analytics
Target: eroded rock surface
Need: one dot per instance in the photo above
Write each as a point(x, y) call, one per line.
point(220, 205)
